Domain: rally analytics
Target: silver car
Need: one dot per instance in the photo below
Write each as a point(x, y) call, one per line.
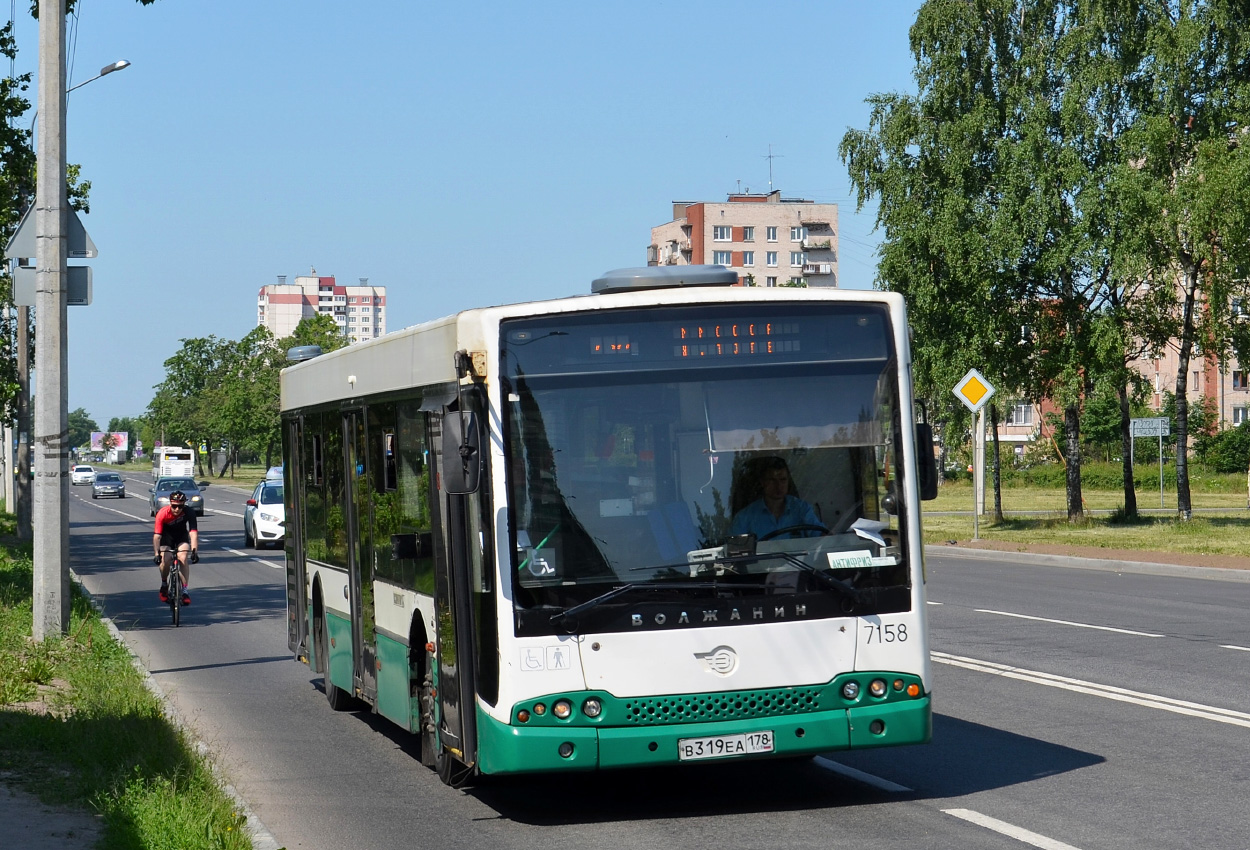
point(108, 484)
point(165, 486)
point(80, 473)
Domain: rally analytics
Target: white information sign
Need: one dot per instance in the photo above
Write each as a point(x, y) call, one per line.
point(1159, 426)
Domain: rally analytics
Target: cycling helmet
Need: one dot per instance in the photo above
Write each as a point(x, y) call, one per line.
point(177, 498)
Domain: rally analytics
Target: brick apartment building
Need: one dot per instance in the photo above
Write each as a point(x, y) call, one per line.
point(767, 239)
point(359, 311)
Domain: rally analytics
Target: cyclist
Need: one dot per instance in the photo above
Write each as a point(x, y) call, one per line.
point(175, 531)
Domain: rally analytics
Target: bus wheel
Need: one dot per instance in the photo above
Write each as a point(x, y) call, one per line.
point(339, 699)
point(449, 770)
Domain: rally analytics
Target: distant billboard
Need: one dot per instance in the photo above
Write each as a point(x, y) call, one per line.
point(121, 440)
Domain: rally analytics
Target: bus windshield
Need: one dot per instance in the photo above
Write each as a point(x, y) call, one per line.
point(750, 473)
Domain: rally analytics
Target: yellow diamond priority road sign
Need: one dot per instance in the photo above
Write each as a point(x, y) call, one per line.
point(974, 391)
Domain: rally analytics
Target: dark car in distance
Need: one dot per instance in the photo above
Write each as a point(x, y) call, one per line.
point(108, 484)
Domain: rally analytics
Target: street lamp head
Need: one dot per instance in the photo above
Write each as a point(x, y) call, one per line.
point(116, 66)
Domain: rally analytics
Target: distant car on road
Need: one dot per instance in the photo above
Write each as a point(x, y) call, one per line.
point(264, 517)
point(80, 473)
point(108, 484)
point(164, 486)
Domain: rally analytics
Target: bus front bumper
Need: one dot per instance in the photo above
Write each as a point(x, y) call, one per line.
point(504, 749)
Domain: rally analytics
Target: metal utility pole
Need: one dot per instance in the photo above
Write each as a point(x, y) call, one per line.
point(50, 516)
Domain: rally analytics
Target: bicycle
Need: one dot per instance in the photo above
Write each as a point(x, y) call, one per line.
point(176, 587)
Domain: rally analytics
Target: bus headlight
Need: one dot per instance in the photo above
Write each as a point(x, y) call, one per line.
point(877, 687)
point(851, 690)
point(562, 708)
point(592, 707)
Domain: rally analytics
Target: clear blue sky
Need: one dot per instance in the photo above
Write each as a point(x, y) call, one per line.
point(459, 154)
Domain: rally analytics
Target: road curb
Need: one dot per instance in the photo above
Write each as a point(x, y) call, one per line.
point(262, 838)
point(1072, 562)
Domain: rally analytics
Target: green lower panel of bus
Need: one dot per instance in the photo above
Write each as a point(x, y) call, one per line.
point(339, 652)
point(504, 748)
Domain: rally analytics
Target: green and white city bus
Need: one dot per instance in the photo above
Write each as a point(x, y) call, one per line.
point(512, 531)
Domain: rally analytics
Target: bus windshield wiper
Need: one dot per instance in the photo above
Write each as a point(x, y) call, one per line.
point(626, 588)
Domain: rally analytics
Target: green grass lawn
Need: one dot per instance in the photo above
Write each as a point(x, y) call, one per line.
point(78, 728)
point(1220, 526)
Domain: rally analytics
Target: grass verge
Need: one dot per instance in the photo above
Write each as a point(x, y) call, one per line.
point(78, 727)
point(1038, 516)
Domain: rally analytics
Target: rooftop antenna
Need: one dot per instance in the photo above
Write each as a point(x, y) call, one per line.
point(771, 156)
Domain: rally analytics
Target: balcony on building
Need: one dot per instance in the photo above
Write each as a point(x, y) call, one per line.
point(818, 268)
point(817, 243)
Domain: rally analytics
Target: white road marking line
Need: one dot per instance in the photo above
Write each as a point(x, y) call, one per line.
point(1066, 623)
point(227, 513)
point(860, 776)
point(253, 558)
point(929, 602)
point(1232, 646)
point(1176, 706)
point(1010, 830)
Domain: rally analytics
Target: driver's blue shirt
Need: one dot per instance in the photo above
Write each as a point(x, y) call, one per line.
point(757, 519)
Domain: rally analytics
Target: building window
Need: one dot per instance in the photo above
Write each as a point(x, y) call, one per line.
point(796, 258)
point(771, 281)
point(1020, 414)
point(748, 234)
point(722, 233)
point(795, 281)
point(771, 232)
point(748, 258)
point(1239, 379)
point(722, 258)
point(798, 234)
point(1240, 415)
point(771, 258)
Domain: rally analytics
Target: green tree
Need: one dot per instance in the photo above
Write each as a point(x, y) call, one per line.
point(979, 177)
point(81, 427)
point(320, 329)
point(1185, 156)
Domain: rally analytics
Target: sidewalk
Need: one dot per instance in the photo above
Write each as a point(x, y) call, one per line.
point(30, 825)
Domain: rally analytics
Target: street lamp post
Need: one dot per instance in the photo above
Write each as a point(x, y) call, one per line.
point(50, 517)
point(50, 514)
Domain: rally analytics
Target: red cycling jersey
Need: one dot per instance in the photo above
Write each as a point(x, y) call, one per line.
point(175, 528)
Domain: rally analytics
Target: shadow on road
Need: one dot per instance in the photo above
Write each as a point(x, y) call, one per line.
point(964, 758)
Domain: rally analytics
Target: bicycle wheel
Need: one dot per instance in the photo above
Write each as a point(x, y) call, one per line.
point(175, 596)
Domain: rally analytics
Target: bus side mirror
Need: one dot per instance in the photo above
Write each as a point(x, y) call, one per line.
point(927, 462)
point(462, 453)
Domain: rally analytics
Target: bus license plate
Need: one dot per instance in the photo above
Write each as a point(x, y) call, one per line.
point(724, 746)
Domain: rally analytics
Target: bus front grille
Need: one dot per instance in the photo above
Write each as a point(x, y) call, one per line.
point(731, 705)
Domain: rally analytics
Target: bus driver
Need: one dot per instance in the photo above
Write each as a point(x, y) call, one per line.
point(776, 509)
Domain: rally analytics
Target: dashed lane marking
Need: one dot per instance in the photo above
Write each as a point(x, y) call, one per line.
point(1019, 833)
point(1067, 623)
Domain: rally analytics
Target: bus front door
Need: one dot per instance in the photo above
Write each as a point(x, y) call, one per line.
point(356, 515)
point(296, 569)
point(454, 617)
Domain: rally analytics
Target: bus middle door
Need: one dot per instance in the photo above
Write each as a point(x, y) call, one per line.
point(356, 508)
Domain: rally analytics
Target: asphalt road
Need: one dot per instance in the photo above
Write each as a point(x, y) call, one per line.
point(1074, 708)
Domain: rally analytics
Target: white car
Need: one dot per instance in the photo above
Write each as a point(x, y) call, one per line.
point(81, 474)
point(264, 518)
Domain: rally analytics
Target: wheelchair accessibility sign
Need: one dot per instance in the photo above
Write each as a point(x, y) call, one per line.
point(536, 659)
